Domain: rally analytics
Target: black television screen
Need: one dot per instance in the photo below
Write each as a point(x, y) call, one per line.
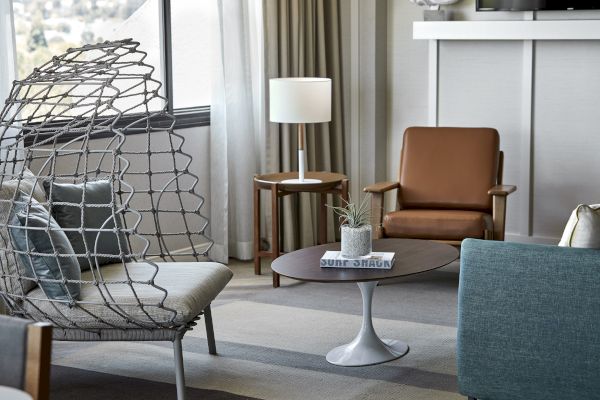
point(536, 5)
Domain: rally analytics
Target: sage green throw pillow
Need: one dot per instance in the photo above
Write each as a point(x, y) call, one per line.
point(97, 214)
point(583, 228)
point(36, 233)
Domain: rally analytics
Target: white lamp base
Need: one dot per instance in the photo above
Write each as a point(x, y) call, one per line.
point(299, 182)
point(301, 163)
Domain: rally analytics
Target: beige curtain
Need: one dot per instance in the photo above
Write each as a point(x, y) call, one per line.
point(302, 38)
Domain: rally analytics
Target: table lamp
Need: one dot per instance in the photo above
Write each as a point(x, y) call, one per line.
point(300, 101)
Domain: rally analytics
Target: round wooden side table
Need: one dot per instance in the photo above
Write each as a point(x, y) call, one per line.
point(330, 183)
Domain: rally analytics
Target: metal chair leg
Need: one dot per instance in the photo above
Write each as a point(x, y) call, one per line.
point(210, 333)
point(179, 373)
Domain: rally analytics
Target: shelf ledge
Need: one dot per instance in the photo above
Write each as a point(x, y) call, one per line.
point(507, 30)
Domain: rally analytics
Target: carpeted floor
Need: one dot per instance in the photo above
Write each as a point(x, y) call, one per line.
point(272, 342)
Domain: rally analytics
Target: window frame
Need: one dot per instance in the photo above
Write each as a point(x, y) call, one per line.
point(188, 117)
point(185, 117)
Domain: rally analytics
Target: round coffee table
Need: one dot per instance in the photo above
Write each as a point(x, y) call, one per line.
point(412, 257)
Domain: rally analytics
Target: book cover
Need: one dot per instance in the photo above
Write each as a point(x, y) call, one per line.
point(375, 260)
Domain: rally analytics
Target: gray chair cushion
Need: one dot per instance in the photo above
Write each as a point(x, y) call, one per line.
point(42, 249)
point(191, 287)
point(10, 264)
point(97, 214)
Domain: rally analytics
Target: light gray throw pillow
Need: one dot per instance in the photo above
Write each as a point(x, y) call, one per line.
point(97, 214)
point(583, 228)
point(37, 234)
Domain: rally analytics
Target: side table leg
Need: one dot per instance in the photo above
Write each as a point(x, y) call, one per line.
point(344, 190)
point(322, 219)
point(367, 348)
point(274, 230)
point(256, 230)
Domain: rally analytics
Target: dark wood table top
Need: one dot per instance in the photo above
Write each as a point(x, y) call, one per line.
point(329, 180)
point(412, 257)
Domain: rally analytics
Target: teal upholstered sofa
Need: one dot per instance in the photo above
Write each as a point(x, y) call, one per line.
point(528, 322)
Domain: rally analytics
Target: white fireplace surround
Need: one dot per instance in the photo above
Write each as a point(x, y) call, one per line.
point(527, 31)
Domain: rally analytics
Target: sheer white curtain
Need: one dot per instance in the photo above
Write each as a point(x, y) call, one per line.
point(8, 61)
point(237, 118)
point(7, 68)
point(7, 49)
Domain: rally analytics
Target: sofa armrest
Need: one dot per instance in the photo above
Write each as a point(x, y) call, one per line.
point(381, 187)
point(528, 325)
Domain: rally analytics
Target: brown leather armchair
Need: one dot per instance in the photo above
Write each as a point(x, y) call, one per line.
point(450, 187)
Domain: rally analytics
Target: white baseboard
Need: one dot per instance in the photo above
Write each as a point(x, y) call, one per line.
point(216, 251)
point(515, 237)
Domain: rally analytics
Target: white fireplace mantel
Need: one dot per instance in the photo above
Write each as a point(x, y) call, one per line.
point(507, 30)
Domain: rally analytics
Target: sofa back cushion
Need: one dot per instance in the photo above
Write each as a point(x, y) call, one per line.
point(449, 168)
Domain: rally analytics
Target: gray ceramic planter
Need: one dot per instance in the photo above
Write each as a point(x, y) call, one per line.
point(356, 242)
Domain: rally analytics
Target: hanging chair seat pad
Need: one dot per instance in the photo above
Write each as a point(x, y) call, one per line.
point(191, 286)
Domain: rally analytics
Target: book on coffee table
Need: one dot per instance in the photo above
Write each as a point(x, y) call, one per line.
point(374, 260)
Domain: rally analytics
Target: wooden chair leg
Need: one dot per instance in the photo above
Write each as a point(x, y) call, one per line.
point(39, 353)
point(377, 208)
point(499, 216)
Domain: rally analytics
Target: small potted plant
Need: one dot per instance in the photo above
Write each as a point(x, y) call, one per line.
point(356, 228)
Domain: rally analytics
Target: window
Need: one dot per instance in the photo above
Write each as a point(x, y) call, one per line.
point(193, 50)
point(176, 34)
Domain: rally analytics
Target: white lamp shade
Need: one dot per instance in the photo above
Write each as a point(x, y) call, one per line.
point(300, 100)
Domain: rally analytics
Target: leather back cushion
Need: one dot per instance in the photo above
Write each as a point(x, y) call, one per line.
point(448, 168)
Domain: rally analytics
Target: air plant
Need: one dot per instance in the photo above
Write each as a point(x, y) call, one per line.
point(352, 214)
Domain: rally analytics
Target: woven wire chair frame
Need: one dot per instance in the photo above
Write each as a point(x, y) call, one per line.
point(66, 123)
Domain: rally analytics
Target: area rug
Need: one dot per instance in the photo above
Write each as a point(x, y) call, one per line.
point(272, 345)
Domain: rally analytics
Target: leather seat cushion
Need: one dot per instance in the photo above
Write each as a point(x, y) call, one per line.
point(436, 224)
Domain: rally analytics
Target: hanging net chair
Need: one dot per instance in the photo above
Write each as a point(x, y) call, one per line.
point(101, 232)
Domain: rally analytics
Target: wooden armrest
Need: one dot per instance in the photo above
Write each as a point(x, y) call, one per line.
point(502, 190)
point(381, 187)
